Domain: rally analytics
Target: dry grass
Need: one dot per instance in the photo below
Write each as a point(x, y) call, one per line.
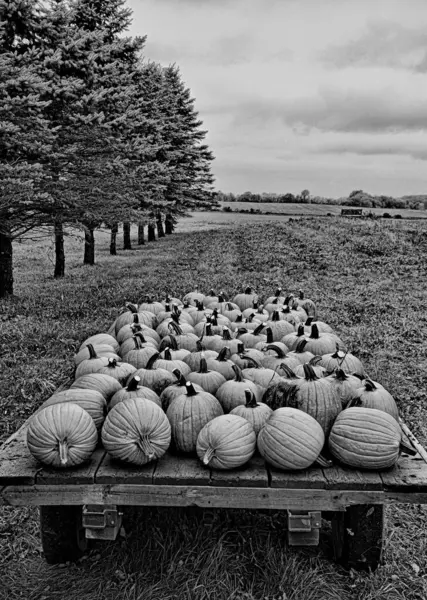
point(369, 280)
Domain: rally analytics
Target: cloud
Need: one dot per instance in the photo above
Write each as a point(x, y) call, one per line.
point(383, 43)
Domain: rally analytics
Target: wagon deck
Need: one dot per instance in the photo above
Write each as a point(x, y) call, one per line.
point(181, 481)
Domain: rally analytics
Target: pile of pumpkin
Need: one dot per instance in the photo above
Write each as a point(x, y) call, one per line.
point(219, 378)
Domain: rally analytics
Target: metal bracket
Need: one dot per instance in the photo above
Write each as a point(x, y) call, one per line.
point(101, 522)
point(304, 528)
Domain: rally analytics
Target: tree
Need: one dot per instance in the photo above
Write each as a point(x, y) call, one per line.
point(305, 196)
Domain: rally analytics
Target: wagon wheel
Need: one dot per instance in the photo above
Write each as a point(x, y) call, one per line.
point(357, 536)
point(62, 533)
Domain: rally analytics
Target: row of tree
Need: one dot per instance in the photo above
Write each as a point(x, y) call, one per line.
point(90, 132)
point(355, 198)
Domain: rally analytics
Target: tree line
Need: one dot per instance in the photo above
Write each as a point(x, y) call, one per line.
point(91, 133)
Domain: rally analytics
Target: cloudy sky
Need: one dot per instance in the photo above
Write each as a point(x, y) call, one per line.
point(329, 95)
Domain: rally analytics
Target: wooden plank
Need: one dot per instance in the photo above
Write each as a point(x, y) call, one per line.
point(410, 473)
point(312, 478)
point(17, 465)
point(345, 478)
point(172, 469)
point(203, 496)
point(252, 474)
point(111, 472)
point(83, 474)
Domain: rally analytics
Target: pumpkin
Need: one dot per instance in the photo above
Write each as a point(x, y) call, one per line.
point(277, 393)
point(140, 354)
point(134, 390)
point(132, 329)
point(342, 360)
point(226, 442)
point(155, 378)
point(291, 439)
point(62, 435)
point(307, 304)
point(246, 299)
point(166, 326)
point(91, 401)
point(171, 300)
point(131, 315)
point(104, 384)
point(292, 339)
point(136, 431)
point(222, 363)
point(170, 364)
point(210, 298)
point(176, 389)
point(118, 370)
point(245, 358)
point(258, 312)
point(317, 397)
point(322, 343)
point(255, 412)
point(149, 305)
point(321, 326)
point(188, 413)
point(91, 364)
point(365, 438)
point(188, 341)
point(274, 356)
point(138, 340)
point(315, 362)
point(262, 376)
point(300, 353)
point(209, 380)
point(193, 297)
point(193, 359)
point(270, 340)
point(251, 338)
point(372, 395)
point(232, 393)
point(230, 310)
point(100, 339)
point(346, 385)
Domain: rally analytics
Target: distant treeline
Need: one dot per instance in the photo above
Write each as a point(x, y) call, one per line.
point(355, 198)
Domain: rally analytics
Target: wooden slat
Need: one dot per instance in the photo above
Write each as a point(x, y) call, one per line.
point(252, 474)
point(312, 478)
point(203, 496)
point(17, 466)
point(180, 470)
point(84, 474)
point(344, 478)
point(114, 472)
point(409, 473)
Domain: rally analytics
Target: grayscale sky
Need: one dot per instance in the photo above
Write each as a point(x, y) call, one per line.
point(329, 95)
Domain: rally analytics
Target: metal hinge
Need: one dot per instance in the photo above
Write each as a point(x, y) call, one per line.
point(101, 522)
point(304, 528)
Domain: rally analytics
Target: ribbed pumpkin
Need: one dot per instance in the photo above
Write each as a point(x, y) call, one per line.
point(222, 364)
point(342, 360)
point(232, 392)
point(322, 343)
point(91, 401)
point(132, 329)
point(134, 390)
point(119, 370)
point(91, 364)
point(209, 380)
point(155, 378)
point(140, 353)
point(100, 339)
point(291, 439)
point(193, 359)
point(147, 304)
point(132, 316)
point(255, 412)
point(317, 397)
point(307, 304)
point(365, 438)
point(346, 385)
point(246, 299)
point(136, 431)
point(62, 435)
point(104, 384)
point(277, 393)
point(176, 389)
point(226, 442)
point(188, 341)
point(170, 364)
point(372, 395)
point(188, 413)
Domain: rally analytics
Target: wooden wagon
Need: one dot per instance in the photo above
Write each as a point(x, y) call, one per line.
point(87, 502)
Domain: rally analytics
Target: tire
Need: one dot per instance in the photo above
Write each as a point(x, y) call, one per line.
point(357, 536)
point(62, 533)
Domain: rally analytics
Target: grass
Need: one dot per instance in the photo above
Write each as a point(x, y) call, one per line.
point(368, 279)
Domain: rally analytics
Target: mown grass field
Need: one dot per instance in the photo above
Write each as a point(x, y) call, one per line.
point(368, 279)
point(319, 210)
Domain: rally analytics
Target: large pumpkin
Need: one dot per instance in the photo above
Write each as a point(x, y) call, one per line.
point(134, 390)
point(91, 401)
point(188, 413)
point(365, 438)
point(226, 442)
point(373, 395)
point(291, 439)
point(62, 435)
point(104, 384)
point(136, 431)
point(257, 413)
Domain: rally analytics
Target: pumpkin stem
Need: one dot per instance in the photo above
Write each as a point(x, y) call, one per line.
point(223, 354)
point(208, 329)
point(133, 384)
point(287, 370)
point(301, 295)
point(251, 361)
point(248, 290)
point(237, 373)
point(370, 385)
point(286, 309)
point(139, 336)
point(340, 375)
point(203, 364)
point(260, 309)
point(112, 363)
point(309, 373)
point(175, 328)
point(315, 360)
point(250, 399)
point(180, 377)
point(145, 446)
point(309, 321)
point(167, 354)
point(276, 349)
point(299, 349)
point(258, 330)
point(135, 317)
point(314, 335)
point(167, 307)
point(323, 462)
point(240, 348)
point(131, 307)
point(278, 292)
point(152, 360)
point(226, 335)
point(63, 452)
point(91, 350)
point(269, 333)
point(250, 318)
point(275, 316)
point(190, 389)
point(208, 456)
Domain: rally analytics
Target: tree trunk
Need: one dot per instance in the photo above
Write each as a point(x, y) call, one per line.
point(141, 239)
point(159, 223)
point(6, 266)
point(59, 250)
point(151, 232)
point(113, 239)
point(126, 237)
point(89, 256)
point(169, 224)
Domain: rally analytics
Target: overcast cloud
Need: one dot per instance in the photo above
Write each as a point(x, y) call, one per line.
point(329, 96)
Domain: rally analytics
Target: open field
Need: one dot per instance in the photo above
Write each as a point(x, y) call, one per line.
point(368, 279)
point(319, 210)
